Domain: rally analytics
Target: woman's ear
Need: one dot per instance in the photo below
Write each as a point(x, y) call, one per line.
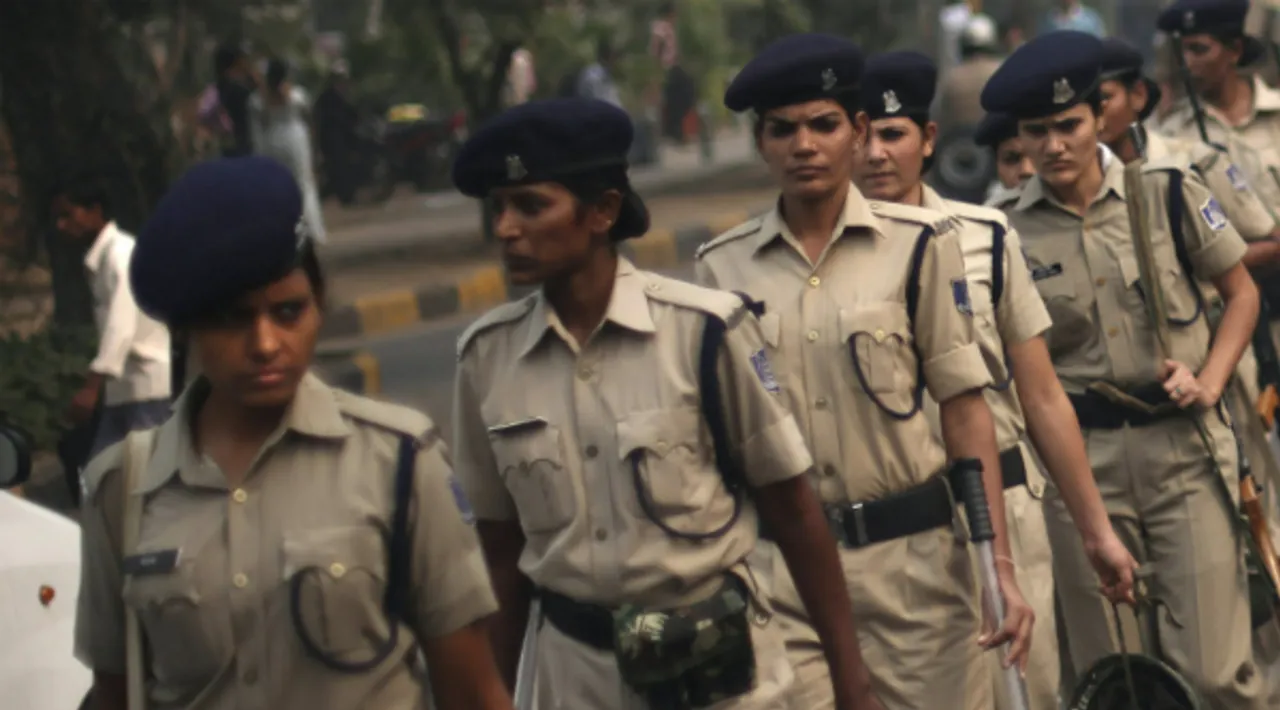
point(604, 213)
point(930, 138)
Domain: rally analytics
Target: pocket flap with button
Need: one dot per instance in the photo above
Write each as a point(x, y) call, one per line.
point(341, 578)
point(171, 612)
point(679, 478)
point(878, 340)
point(1052, 281)
point(529, 453)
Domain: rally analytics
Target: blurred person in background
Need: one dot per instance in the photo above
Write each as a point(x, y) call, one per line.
point(522, 79)
point(957, 103)
point(337, 119)
point(1074, 15)
point(235, 84)
point(129, 376)
point(279, 124)
point(596, 80)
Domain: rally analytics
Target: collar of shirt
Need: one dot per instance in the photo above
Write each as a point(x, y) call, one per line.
point(857, 215)
point(1265, 98)
point(314, 413)
point(93, 259)
point(1112, 183)
point(628, 307)
point(930, 199)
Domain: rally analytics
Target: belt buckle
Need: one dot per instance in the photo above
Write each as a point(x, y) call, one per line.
point(858, 512)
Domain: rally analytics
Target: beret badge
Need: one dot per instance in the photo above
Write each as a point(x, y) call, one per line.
point(1062, 91)
point(891, 103)
point(515, 168)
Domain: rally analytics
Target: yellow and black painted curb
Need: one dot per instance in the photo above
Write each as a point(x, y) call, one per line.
point(383, 313)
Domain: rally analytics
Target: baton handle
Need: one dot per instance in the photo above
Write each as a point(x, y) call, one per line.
point(966, 480)
point(526, 673)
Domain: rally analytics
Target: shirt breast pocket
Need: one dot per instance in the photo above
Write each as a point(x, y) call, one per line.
point(1068, 308)
point(337, 582)
point(771, 328)
point(881, 349)
point(674, 474)
point(530, 458)
point(172, 613)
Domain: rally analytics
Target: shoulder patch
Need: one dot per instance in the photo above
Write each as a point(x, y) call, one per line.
point(746, 229)
point(384, 415)
point(1213, 215)
point(924, 217)
point(722, 304)
point(764, 371)
point(110, 460)
point(960, 294)
point(978, 213)
point(460, 498)
point(506, 313)
point(1237, 178)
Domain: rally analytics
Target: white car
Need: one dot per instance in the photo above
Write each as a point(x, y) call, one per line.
point(39, 581)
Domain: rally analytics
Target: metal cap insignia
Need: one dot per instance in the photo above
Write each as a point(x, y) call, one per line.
point(1189, 20)
point(828, 79)
point(1062, 91)
point(891, 103)
point(515, 168)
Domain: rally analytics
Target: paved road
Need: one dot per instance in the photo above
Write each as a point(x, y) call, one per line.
point(418, 366)
point(350, 282)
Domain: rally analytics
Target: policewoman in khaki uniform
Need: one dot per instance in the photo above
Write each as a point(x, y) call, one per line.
point(1010, 318)
point(1141, 415)
point(608, 428)
point(296, 545)
point(854, 339)
point(999, 133)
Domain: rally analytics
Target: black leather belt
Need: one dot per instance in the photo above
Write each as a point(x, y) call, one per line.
point(920, 509)
point(1012, 468)
point(1097, 412)
point(589, 624)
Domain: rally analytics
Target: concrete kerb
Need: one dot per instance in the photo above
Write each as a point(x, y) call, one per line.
point(384, 313)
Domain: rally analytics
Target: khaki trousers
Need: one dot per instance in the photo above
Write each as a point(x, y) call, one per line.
point(1165, 505)
point(917, 620)
point(1029, 542)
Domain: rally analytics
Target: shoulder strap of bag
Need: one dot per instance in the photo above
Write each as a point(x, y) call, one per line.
point(913, 305)
point(137, 451)
point(997, 264)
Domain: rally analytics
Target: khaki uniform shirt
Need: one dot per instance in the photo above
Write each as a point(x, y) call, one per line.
point(1225, 180)
point(1018, 317)
point(1086, 271)
point(559, 435)
point(318, 496)
point(1253, 145)
point(958, 103)
point(854, 299)
point(1003, 197)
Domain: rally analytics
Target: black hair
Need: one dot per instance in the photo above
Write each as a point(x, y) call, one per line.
point(666, 8)
point(589, 187)
point(277, 72)
point(847, 100)
point(307, 259)
point(226, 56)
point(1094, 100)
point(85, 190)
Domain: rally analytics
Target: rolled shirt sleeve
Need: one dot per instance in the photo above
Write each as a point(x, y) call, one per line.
point(1213, 243)
point(450, 576)
point(944, 329)
point(761, 430)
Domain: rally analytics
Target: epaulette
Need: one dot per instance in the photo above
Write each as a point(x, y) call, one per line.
point(395, 418)
point(746, 229)
point(723, 304)
point(110, 459)
point(506, 313)
point(978, 213)
point(1004, 198)
point(939, 222)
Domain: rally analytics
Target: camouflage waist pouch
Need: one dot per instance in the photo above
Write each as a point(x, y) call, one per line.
point(691, 657)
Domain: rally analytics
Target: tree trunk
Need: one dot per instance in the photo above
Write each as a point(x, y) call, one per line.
point(71, 106)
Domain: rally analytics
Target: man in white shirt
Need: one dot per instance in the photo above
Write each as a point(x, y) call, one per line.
point(131, 370)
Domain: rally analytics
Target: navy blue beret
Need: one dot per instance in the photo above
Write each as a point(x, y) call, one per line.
point(1224, 17)
point(994, 129)
point(225, 227)
point(1047, 75)
point(549, 141)
point(1123, 61)
point(898, 84)
point(796, 69)
point(1190, 17)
